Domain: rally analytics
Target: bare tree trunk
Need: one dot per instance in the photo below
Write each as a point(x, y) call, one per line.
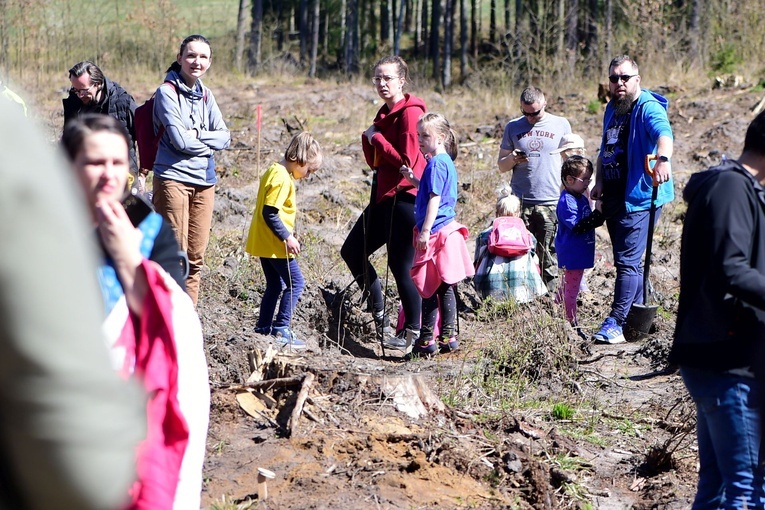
point(507, 16)
point(385, 21)
point(517, 43)
point(417, 26)
point(315, 37)
point(609, 27)
point(399, 27)
point(352, 39)
point(591, 39)
point(560, 29)
point(694, 31)
point(446, 75)
point(4, 42)
point(241, 30)
point(435, 23)
point(343, 28)
point(256, 29)
point(325, 49)
point(371, 23)
point(474, 28)
point(304, 31)
point(572, 22)
point(391, 22)
point(463, 40)
point(493, 22)
point(279, 27)
point(425, 31)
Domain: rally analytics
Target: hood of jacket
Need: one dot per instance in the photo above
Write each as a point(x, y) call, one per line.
point(700, 180)
point(639, 183)
point(649, 95)
point(195, 93)
point(385, 116)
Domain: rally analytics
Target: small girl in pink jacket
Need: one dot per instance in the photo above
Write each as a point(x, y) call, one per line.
point(441, 258)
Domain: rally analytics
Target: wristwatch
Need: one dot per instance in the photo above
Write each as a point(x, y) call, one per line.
point(663, 158)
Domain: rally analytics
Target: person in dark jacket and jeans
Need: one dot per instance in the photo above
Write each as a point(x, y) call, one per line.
point(92, 92)
point(721, 322)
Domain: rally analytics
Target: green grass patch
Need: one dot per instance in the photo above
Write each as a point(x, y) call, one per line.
point(562, 411)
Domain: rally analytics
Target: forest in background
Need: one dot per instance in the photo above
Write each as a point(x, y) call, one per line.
point(501, 42)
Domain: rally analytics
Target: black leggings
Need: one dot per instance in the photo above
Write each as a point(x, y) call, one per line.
point(394, 218)
point(446, 300)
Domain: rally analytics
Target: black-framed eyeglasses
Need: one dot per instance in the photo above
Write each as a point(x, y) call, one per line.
point(532, 114)
point(80, 92)
point(378, 80)
point(614, 78)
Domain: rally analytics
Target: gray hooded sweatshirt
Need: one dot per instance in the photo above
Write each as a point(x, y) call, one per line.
point(181, 156)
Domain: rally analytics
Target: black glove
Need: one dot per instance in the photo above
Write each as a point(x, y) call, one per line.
point(591, 222)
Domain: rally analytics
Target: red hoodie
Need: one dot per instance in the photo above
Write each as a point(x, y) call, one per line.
point(395, 144)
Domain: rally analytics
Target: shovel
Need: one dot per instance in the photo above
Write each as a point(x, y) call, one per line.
point(641, 316)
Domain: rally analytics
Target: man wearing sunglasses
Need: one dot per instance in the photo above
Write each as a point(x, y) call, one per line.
point(92, 92)
point(525, 150)
point(635, 124)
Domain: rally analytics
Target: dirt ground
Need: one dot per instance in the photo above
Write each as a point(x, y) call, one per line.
point(629, 443)
point(364, 439)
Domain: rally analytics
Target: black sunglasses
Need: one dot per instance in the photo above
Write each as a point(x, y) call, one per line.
point(532, 114)
point(614, 78)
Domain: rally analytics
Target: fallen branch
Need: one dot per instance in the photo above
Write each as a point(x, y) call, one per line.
point(312, 416)
point(280, 382)
point(599, 357)
point(299, 403)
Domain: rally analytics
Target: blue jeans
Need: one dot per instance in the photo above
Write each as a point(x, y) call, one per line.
point(283, 278)
point(728, 431)
point(629, 233)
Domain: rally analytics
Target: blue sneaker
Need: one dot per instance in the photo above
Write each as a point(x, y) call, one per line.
point(284, 337)
point(610, 333)
point(266, 330)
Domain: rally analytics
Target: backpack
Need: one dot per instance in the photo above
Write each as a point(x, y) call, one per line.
point(509, 237)
point(145, 138)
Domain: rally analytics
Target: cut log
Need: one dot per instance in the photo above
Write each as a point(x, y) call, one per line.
point(410, 393)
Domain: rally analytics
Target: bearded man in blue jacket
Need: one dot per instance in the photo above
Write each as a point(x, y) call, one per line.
point(635, 124)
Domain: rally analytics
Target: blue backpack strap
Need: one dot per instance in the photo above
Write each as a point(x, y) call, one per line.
point(111, 289)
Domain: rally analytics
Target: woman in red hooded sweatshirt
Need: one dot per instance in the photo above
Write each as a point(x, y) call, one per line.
point(390, 142)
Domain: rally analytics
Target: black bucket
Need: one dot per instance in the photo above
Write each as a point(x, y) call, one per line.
point(639, 323)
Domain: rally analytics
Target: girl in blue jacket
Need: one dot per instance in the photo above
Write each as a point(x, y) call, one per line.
point(575, 246)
